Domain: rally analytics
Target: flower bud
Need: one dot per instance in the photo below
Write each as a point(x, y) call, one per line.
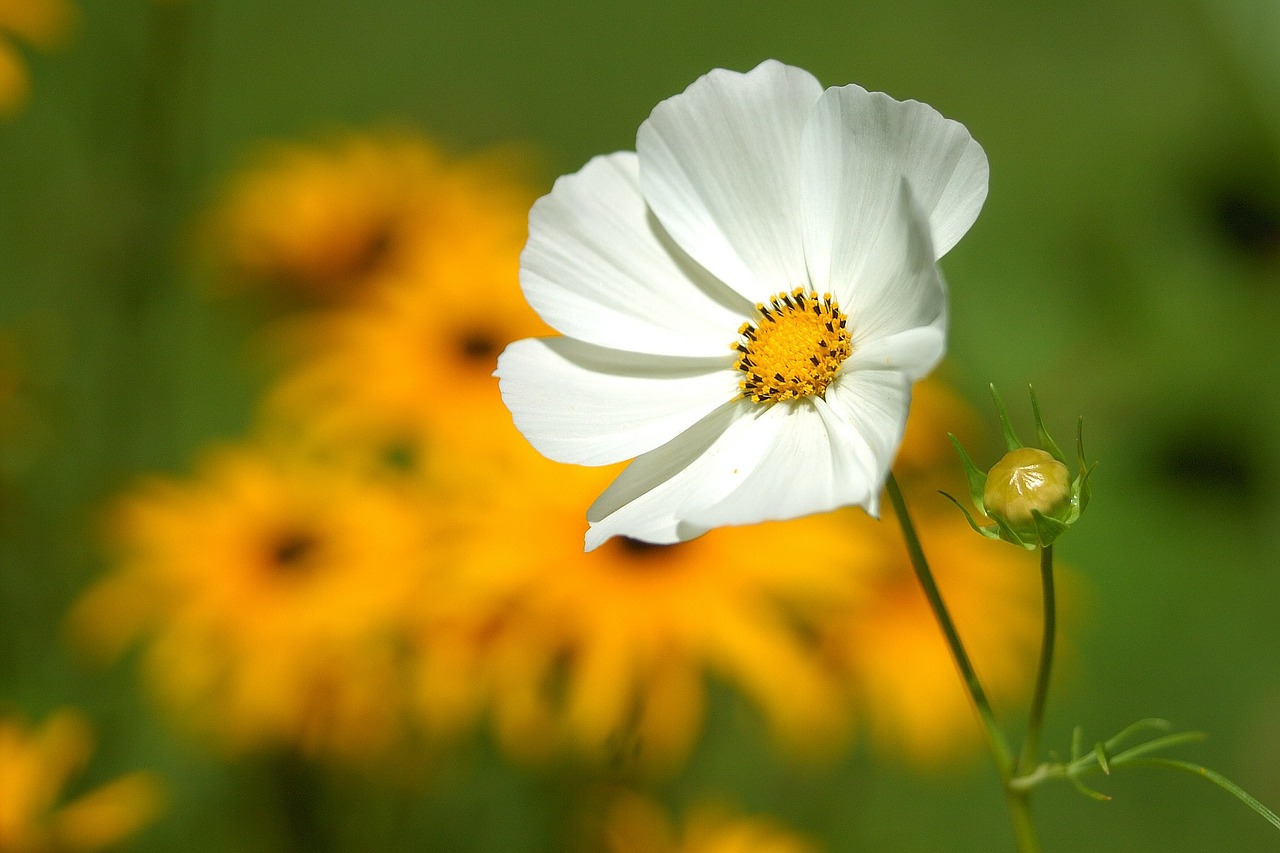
point(1029, 493)
point(1027, 479)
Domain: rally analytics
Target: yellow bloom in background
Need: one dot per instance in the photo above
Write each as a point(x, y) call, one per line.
point(633, 824)
point(39, 23)
point(343, 221)
point(414, 370)
point(37, 763)
point(605, 653)
point(273, 594)
point(409, 365)
point(889, 649)
point(926, 452)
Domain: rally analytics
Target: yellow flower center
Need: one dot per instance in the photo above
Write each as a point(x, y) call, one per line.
point(794, 349)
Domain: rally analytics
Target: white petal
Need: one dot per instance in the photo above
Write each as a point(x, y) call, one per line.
point(800, 458)
point(580, 403)
point(857, 147)
point(640, 503)
point(743, 464)
point(889, 282)
point(875, 404)
point(913, 352)
point(719, 165)
point(598, 267)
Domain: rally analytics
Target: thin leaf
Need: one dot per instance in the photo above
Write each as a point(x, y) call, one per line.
point(1100, 750)
point(1087, 791)
point(1156, 745)
point(1217, 779)
point(1127, 732)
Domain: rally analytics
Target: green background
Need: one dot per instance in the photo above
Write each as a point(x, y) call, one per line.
point(1127, 262)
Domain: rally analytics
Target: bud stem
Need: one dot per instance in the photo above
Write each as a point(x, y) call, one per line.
point(1035, 721)
point(1019, 807)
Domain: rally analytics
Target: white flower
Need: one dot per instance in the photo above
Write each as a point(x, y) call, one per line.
point(745, 301)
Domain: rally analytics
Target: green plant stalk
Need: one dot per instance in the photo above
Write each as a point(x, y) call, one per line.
point(1035, 722)
point(1017, 800)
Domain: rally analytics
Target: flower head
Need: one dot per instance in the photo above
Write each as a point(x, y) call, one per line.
point(345, 222)
point(270, 592)
point(745, 301)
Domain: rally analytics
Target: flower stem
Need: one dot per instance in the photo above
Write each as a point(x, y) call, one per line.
point(1017, 801)
point(1035, 721)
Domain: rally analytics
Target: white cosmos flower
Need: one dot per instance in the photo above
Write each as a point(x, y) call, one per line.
point(745, 301)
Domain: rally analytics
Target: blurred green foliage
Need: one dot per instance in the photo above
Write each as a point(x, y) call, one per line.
point(1127, 262)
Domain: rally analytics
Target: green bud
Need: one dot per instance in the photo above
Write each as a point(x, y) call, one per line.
point(1030, 494)
point(1025, 481)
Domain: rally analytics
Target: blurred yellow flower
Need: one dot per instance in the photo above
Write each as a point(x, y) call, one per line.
point(274, 593)
point(409, 366)
point(414, 369)
point(636, 825)
point(926, 453)
point(40, 23)
point(346, 220)
point(37, 763)
point(891, 653)
point(605, 653)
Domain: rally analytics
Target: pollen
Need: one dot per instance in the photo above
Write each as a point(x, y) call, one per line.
point(794, 349)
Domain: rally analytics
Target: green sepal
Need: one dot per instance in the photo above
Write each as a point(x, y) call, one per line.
point(977, 478)
point(1081, 486)
point(1048, 528)
point(986, 530)
point(1046, 441)
point(1010, 437)
point(1008, 534)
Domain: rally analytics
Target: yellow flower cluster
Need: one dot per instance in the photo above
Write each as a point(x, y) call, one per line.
point(36, 763)
point(387, 558)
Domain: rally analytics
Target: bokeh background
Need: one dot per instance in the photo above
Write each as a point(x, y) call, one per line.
point(178, 362)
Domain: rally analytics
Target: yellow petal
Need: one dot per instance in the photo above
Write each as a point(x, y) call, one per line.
point(108, 814)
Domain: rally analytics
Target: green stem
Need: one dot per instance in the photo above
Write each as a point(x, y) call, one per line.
point(1035, 721)
point(999, 746)
point(1017, 801)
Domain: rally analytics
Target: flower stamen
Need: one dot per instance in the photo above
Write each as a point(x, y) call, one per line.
point(795, 349)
